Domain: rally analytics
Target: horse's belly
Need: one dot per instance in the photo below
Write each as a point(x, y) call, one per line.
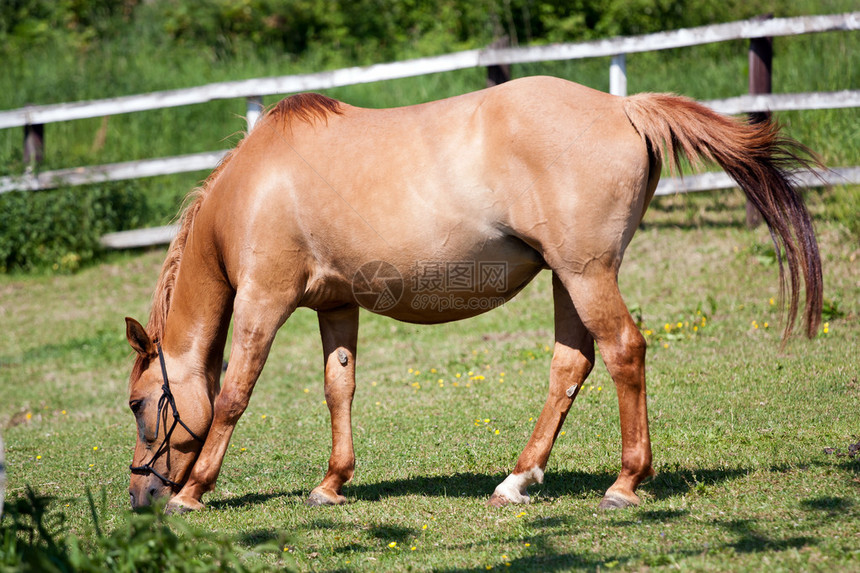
point(435, 289)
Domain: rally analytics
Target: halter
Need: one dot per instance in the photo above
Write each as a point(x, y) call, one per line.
point(165, 400)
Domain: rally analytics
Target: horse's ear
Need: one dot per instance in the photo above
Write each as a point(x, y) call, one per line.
point(138, 338)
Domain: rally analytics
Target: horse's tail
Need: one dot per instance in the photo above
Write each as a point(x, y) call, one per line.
point(759, 159)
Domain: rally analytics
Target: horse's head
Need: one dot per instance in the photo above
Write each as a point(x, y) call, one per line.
point(173, 415)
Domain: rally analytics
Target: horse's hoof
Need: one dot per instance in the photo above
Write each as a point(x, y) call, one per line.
point(497, 500)
point(318, 498)
point(179, 506)
point(616, 501)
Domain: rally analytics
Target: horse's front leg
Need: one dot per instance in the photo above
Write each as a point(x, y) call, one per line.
point(572, 361)
point(339, 330)
point(255, 324)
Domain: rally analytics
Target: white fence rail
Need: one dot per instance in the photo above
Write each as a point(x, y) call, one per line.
point(254, 89)
point(418, 67)
point(31, 181)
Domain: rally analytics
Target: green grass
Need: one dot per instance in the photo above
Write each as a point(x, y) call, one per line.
point(739, 426)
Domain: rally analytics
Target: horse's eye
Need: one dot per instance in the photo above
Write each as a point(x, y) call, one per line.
point(135, 405)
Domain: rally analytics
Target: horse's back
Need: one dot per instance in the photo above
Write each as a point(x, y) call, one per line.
point(496, 175)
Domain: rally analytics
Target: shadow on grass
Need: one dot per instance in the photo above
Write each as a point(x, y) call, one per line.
point(564, 483)
point(665, 485)
point(748, 536)
point(688, 225)
point(828, 504)
point(750, 539)
point(544, 555)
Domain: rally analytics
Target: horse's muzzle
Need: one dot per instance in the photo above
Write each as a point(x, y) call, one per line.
point(146, 490)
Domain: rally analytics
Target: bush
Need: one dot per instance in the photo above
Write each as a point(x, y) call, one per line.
point(32, 539)
point(72, 23)
point(60, 230)
point(358, 29)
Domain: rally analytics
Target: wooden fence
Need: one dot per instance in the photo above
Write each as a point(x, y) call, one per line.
point(496, 58)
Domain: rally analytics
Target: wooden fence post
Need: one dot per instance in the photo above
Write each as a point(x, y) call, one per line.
point(761, 65)
point(34, 144)
point(502, 73)
point(254, 111)
point(618, 75)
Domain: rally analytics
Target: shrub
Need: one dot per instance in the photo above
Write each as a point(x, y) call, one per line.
point(60, 230)
point(32, 539)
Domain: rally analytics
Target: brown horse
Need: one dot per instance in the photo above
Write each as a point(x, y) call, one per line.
point(332, 207)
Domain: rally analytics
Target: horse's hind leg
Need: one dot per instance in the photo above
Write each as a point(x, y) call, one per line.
point(572, 361)
point(339, 330)
point(603, 312)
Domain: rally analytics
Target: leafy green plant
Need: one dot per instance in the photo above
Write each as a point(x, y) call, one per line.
point(32, 539)
point(831, 310)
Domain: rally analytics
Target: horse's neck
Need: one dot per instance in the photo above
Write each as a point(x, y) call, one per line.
point(199, 317)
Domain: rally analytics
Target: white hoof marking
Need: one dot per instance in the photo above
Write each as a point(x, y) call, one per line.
point(514, 487)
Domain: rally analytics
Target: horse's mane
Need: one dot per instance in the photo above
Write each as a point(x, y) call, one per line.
point(303, 107)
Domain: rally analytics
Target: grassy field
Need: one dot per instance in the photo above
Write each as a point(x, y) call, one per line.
point(739, 426)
